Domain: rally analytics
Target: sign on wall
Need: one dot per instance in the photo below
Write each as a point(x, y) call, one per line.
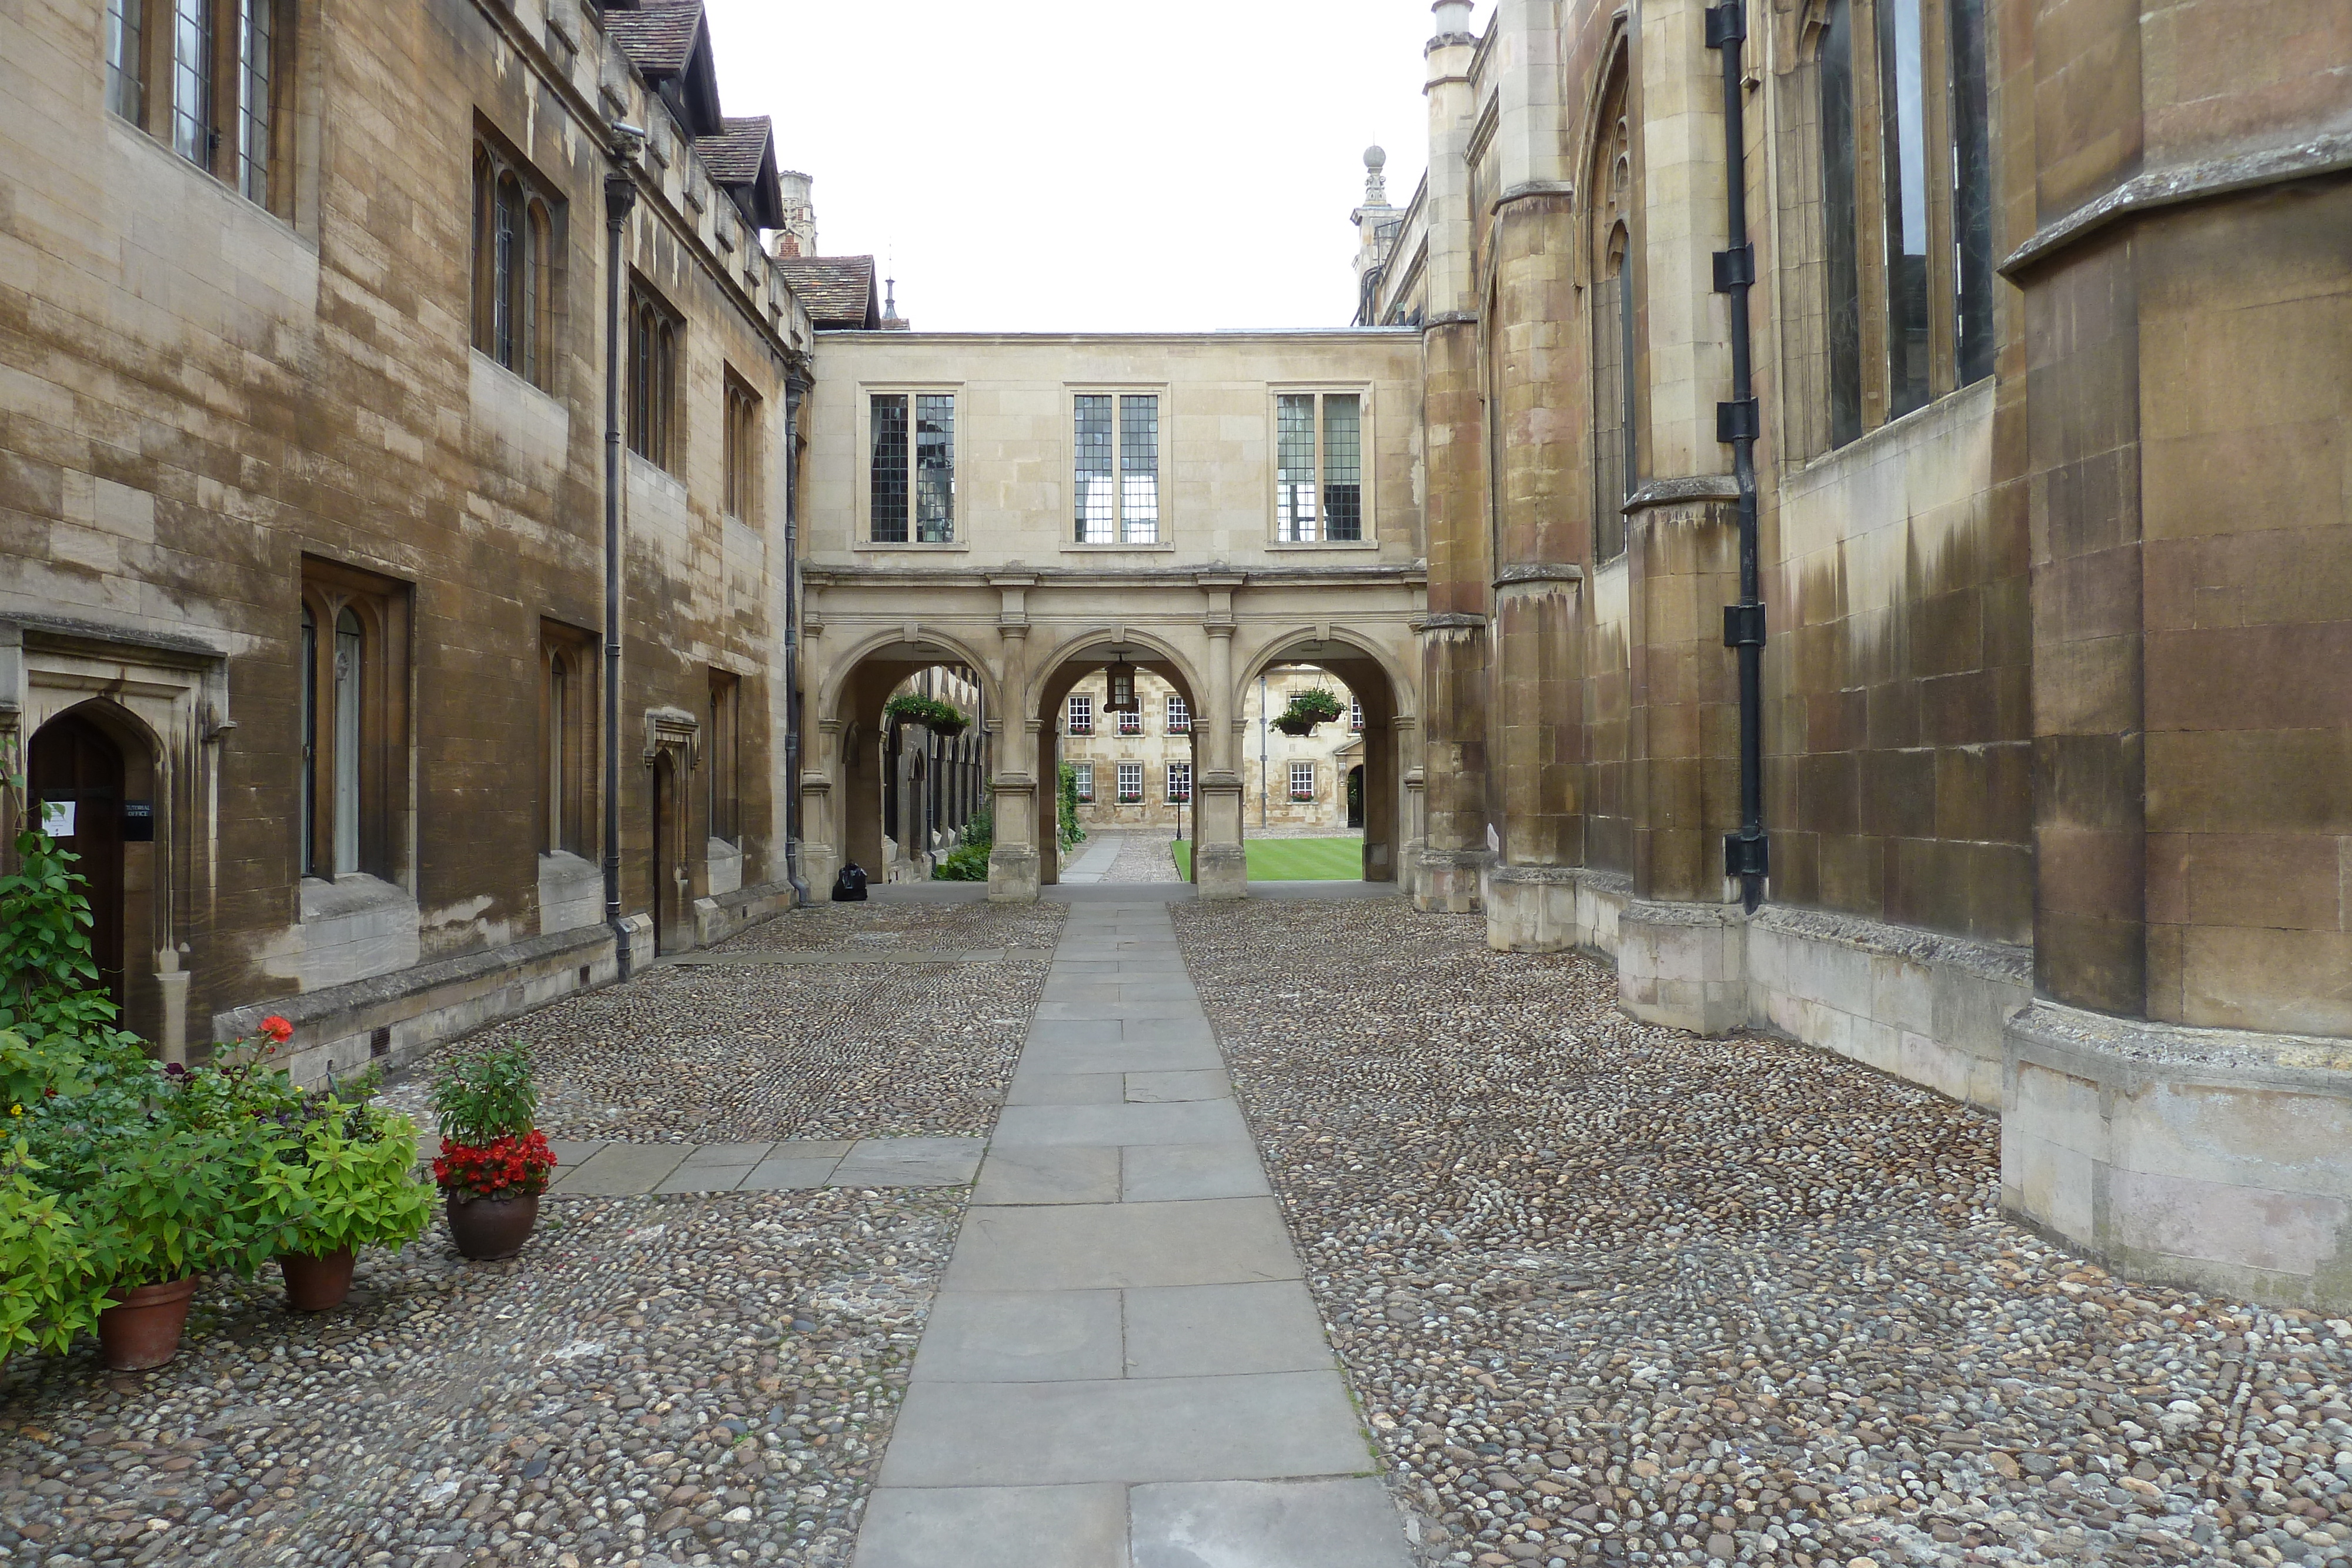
point(57, 819)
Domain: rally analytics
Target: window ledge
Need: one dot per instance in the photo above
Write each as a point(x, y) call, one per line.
point(352, 893)
point(1075, 548)
point(1322, 544)
point(489, 363)
point(951, 547)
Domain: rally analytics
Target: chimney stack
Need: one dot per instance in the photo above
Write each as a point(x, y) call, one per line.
point(798, 236)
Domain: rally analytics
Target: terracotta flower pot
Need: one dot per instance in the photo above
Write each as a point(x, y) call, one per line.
point(142, 1330)
point(313, 1284)
point(490, 1228)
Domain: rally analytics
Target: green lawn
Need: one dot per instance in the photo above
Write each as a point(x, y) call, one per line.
point(1293, 860)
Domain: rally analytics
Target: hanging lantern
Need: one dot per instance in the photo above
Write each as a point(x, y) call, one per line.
point(1122, 689)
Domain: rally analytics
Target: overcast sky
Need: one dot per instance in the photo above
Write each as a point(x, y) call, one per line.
point(1077, 165)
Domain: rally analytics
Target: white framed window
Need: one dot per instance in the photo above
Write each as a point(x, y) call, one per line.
point(1180, 716)
point(1302, 781)
point(1180, 782)
point(1130, 721)
point(910, 496)
point(1318, 472)
point(1130, 783)
point(1355, 715)
point(1114, 467)
point(1081, 713)
point(1084, 772)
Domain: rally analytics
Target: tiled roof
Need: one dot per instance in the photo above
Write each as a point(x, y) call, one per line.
point(837, 290)
point(657, 37)
point(733, 156)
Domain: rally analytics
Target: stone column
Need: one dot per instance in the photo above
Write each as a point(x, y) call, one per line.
point(1024, 804)
point(1220, 861)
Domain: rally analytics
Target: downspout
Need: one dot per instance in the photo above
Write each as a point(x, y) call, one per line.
point(620, 197)
point(1746, 854)
point(794, 390)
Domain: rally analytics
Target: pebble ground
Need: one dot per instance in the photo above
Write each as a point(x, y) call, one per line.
point(655, 1382)
point(750, 1053)
point(1611, 1293)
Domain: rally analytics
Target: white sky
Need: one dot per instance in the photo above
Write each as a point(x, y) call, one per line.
point(1090, 166)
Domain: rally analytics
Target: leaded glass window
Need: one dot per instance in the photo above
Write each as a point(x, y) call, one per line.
point(1115, 480)
point(1318, 476)
point(889, 473)
point(934, 468)
point(126, 70)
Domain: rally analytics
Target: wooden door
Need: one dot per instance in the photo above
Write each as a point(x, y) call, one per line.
point(72, 763)
point(663, 807)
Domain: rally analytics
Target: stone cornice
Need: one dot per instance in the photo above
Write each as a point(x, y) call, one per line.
point(1450, 621)
point(1370, 575)
point(1531, 189)
point(1683, 492)
point(1540, 571)
point(1449, 318)
point(2186, 182)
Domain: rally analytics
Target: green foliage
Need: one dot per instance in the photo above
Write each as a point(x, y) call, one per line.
point(968, 861)
point(940, 718)
point(1073, 831)
point(1308, 709)
point(358, 1179)
point(180, 1200)
point(51, 1288)
point(484, 1095)
point(57, 1028)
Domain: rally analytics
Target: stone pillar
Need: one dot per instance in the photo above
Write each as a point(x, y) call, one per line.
point(1219, 859)
point(1026, 805)
point(173, 982)
point(1454, 634)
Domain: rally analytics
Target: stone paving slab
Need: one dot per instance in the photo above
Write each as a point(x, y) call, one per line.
point(1220, 1331)
point(1067, 1089)
point(630, 1170)
point(855, 956)
point(1174, 1172)
point(1169, 1088)
point(1023, 1337)
point(1265, 1427)
point(1047, 1173)
point(996, 1527)
point(1335, 1523)
point(1082, 1247)
point(1179, 1122)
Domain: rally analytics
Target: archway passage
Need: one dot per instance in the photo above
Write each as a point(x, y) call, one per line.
point(76, 774)
point(1147, 748)
point(905, 791)
point(1365, 770)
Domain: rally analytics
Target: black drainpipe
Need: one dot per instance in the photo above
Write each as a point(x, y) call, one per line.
point(794, 390)
point(1745, 853)
point(620, 196)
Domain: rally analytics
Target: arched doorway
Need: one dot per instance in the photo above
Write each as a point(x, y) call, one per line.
point(897, 786)
point(1366, 761)
point(92, 784)
point(1152, 754)
point(665, 858)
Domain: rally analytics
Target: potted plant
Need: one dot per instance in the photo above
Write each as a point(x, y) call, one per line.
point(355, 1162)
point(50, 1288)
point(1306, 710)
point(943, 719)
point(494, 1162)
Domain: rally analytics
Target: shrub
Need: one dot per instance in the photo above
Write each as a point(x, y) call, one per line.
point(940, 718)
point(484, 1095)
point(356, 1172)
point(965, 862)
point(51, 1288)
point(1073, 831)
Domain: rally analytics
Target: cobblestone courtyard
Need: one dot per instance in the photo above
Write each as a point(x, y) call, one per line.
point(1604, 1294)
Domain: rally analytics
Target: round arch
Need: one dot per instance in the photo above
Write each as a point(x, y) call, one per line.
point(1059, 669)
point(1380, 682)
point(1279, 649)
point(1112, 640)
point(860, 780)
point(945, 648)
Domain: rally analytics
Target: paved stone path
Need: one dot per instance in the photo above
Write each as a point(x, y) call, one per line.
point(1094, 861)
point(629, 1170)
point(1123, 1368)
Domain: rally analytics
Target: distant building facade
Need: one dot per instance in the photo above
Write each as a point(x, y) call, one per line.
point(1136, 769)
point(301, 603)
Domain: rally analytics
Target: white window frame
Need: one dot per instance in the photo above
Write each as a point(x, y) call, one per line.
point(1130, 721)
point(1296, 768)
point(1122, 796)
point(1081, 702)
point(959, 521)
point(1368, 533)
point(1356, 714)
point(1162, 534)
point(1084, 772)
point(1179, 794)
point(1179, 714)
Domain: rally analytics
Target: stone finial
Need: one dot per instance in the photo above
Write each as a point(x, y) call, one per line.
point(1376, 183)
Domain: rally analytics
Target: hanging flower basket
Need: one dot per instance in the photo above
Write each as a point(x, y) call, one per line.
point(943, 719)
point(1306, 710)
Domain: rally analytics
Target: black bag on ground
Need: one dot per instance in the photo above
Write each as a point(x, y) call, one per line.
point(849, 887)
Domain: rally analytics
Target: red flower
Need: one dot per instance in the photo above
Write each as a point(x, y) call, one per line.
point(276, 1029)
point(505, 1162)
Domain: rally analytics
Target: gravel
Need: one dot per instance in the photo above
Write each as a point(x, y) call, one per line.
point(654, 1381)
point(751, 1053)
point(1613, 1294)
point(1145, 856)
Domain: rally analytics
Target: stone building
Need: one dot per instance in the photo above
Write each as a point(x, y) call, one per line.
point(2050, 326)
point(302, 463)
point(932, 780)
point(1035, 508)
point(1135, 769)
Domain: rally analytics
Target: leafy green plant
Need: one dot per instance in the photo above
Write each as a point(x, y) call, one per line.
point(178, 1200)
point(56, 1027)
point(358, 1179)
point(51, 1289)
point(939, 717)
point(968, 861)
point(1073, 831)
point(1308, 709)
point(484, 1095)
